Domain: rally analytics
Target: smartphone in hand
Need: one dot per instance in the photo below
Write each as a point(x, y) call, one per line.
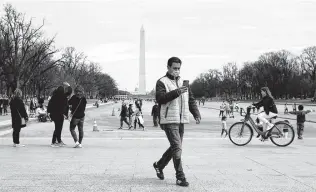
point(186, 83)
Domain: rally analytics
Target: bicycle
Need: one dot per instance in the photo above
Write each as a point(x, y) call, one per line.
point(281, 130)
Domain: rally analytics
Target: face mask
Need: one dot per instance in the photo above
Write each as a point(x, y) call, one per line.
point(176, 73)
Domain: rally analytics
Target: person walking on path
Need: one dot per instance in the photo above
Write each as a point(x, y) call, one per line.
point(139, 119)
point(155, 114)
point(78, 106)
point(130, 115)
point(124, 115)
point(58, 110)
point(175, 102)
point(224, 126)
point(286, 110)
point(18, 114)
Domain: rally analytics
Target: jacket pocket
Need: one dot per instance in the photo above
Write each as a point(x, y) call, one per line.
point(166, 112)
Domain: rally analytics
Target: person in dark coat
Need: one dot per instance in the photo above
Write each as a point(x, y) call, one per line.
point(124, 114)
point(58, 110)
point(17, 113)
point(155, 114)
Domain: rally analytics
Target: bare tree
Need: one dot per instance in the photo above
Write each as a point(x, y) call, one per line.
point(24, 45)
point(308, 63)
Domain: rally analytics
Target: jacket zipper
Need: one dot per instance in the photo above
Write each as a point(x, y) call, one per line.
point(181, 102)
point(166, 112)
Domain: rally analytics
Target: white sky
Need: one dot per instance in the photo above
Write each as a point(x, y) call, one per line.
point(205, 34)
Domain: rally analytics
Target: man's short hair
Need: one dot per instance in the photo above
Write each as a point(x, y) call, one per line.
point(300, 107)
point(174, 60)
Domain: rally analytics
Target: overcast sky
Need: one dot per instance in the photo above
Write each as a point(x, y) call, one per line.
point(205, 34)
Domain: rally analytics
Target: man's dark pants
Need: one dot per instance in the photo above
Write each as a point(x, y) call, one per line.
point(16, 135)
point(174, 133)
point(125, 120)
point(155, 120)
point(59, 121)
point(77, 122)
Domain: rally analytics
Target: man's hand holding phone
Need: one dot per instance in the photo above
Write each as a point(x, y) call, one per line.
point(184, 87)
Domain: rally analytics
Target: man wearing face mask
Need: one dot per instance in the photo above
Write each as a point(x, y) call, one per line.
point(175, 103)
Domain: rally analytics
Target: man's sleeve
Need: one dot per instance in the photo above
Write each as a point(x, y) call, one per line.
point(193, 106)
point(162, 97)
point(22, 110)
point(84, 103)
point(49, 107)
point(66, 109)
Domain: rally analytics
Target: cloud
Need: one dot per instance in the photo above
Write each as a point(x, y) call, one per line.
point(112, 52)
point(203, 56)
point(248, 27)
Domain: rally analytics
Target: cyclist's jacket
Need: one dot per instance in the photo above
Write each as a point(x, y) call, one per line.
point(268, 105)
point(174, 106)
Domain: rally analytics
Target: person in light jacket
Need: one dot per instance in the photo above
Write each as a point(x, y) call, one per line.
point(175, 103)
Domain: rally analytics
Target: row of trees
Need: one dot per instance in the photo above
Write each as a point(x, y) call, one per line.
point(286, 74)
point(31, 62)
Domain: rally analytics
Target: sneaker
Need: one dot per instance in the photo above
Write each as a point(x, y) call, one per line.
point(158, 171)
point(18, 145)
point(300, 137)
point(54, 145)
point(76, 144)
point(182, 182)
point(79, 146)
point(61, 144)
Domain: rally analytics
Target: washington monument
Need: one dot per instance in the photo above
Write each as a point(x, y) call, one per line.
point(142, 69)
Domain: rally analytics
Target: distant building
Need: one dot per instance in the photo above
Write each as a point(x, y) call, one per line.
point(120, 97)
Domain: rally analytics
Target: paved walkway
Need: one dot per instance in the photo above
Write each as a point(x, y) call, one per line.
point(121, 160)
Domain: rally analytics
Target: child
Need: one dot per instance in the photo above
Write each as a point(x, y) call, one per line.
point(224, 126)
point(237, 107)
point(294, 107)
point(269, 108)
point(286, 110)
point(231, 105)
point(221, 110)
point(300, 119)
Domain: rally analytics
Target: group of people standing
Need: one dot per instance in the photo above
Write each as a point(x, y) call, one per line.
point(57, 110)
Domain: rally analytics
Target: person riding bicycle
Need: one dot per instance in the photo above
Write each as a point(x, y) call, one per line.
point(269, 108)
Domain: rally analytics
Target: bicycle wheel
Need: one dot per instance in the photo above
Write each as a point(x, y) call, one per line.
point(240, 136)
point(282, 134)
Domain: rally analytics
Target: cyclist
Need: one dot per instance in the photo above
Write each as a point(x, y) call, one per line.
point(269, 108)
